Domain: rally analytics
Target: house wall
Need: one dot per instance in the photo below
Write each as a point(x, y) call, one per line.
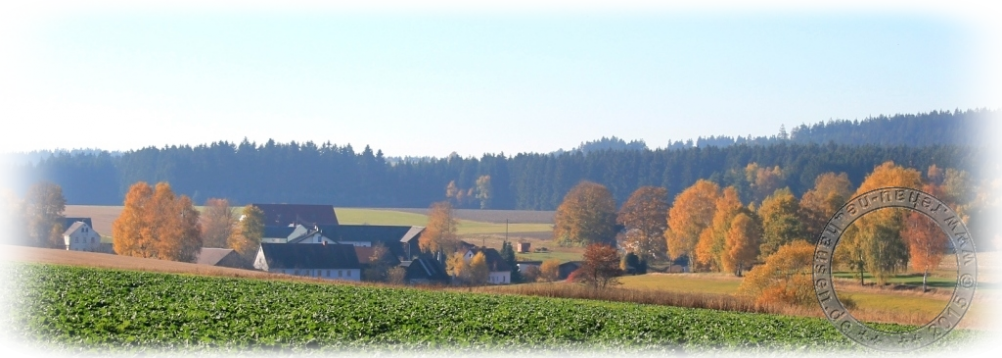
point(329, 274)
point(83, 239)
point(499, 277)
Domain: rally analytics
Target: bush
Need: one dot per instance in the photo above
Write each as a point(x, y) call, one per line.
point(784, 278)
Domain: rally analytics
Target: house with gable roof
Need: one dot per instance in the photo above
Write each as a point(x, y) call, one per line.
point(80, 236)
point(326, 261)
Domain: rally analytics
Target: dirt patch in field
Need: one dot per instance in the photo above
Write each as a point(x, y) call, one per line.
point(91, 259)
point(101, 216)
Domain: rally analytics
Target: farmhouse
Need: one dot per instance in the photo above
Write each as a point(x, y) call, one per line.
point(401, 240)
point(500, 272)
point(424, 270)
point(79, 236)
point(218, 257)
point(293, 214)
point(327, 261)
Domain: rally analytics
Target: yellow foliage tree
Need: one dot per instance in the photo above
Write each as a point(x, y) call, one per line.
point(440, 233)
point(820, 203)
point(691, 212)
point(457, 267)
point(549, 270)
point(784, 278)
point(478, 269)
point(782, 222)
point(247, 239)
point(710, 250)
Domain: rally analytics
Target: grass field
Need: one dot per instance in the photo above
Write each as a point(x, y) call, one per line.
point(101, 310)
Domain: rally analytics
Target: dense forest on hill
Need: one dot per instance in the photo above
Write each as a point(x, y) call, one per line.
point(308, 173)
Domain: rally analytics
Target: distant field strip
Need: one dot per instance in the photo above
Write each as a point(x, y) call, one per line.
point(92, 310)
point(357, 216)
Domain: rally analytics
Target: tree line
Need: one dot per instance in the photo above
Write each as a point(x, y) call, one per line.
point(713, 228)
point(332, 174)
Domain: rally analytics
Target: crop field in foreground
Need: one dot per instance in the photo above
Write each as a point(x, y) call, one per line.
point(86, 309)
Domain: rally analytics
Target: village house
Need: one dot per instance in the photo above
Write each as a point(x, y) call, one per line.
point(499, 271)
point(219, 257)
point(327, 261)
point(80, 236)
point(424, 270)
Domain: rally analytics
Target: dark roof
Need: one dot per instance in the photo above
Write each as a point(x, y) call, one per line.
point(393, 237)
point(305, 214)
point(365, 253)
point(67, 222)
point(278, 231)
point(425, 268)
point(311, 256)
point(494, 260)
point(212, 255)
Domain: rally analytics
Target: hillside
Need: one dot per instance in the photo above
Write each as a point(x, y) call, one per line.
point(100, 311)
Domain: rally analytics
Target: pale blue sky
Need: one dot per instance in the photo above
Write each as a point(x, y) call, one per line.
point(433, 82)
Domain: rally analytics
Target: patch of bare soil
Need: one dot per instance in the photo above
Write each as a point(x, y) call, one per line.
point(492, 216)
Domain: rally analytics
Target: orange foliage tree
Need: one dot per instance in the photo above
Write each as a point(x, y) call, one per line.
point(741, 243)
point(156, 224)
point(645, 217)
point(440, 233)
point(549, 270)
point(926, 241)
point(711, 246)
point(784, 278)
point(586, 216)
point(600, 267)
point(691, 212)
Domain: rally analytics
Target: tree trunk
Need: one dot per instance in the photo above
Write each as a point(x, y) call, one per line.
point(925, 276)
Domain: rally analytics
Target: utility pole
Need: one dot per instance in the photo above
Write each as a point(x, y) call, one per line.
point(505, 230)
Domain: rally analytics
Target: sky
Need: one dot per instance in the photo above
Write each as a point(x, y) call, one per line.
point(432, 78)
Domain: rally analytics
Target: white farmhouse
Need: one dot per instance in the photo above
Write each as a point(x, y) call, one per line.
point(81, 237)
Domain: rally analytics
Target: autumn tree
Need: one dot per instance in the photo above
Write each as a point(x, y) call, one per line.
point(485, 192)
point(873, 242)
point(710, 248)
point(478, 269)
point(763, 181)
point(820, 203)
point(440, 233)
point(549, 270)
point(380, 262)
point(782, 222)
point(458, 268)
point(218, 223)
point(645, 218)
point(128, 230)
point(43, 209)
point(12, 219)
point(958, 187)
point(784, 278)
point(741, 243)
point(154, 223)
point(691, 212)
point(586, 216)
point(250, 230)
point(926, 244)
point(600, 267)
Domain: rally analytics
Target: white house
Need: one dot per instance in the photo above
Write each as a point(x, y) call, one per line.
point(327, 261)
point(499, 271)
point(81, 237)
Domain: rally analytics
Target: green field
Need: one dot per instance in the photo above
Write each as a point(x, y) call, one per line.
point(356, 216)
point(94, 310)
